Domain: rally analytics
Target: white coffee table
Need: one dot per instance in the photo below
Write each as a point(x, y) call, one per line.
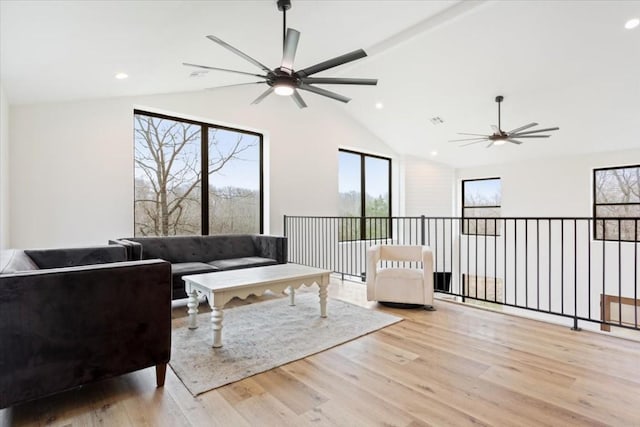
point(221, 287)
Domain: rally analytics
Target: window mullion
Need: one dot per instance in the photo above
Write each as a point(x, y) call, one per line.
point(204, 182)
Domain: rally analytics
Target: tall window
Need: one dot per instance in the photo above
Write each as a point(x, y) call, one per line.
point(481, 198)
point(616, 195)
point(364, 186)
point(195, 178)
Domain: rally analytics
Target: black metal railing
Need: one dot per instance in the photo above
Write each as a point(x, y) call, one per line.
point(552, 265)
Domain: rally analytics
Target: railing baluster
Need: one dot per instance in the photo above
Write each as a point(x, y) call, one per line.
point(635, 273)
point(562, 266)
point(515, 261)
point(575, 277)
point(619, 273)
point(537, 263)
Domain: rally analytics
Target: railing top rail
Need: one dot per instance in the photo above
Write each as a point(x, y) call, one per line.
point(545, 218)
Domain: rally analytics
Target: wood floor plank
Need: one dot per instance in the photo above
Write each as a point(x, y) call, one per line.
point(294, 394)
point(370, 409)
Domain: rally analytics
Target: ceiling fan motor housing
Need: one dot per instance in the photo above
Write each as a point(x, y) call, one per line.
point(284, 5)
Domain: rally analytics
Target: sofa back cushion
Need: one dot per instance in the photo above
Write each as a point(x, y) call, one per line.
point(174, 249)
point(68, 257)
point(227, 246)
point(177, 249)
point(15, 260)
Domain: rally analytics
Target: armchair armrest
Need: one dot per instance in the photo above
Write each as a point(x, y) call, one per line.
point(373, 256)
point(64, 327)
point(274, 247)
point(427, 268)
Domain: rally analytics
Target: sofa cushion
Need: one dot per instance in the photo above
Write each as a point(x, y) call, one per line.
point(69, 257)
point(244, 262)
point(184, 268)
point(15, 260)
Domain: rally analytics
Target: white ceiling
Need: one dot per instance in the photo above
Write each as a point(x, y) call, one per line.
point(560, 63)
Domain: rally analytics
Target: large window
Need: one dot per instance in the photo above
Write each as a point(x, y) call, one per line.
point(616, 195)
point(481, 199)
point(364, 186)
point(195, 178)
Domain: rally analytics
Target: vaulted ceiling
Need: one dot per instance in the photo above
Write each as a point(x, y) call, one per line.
point(570, 64)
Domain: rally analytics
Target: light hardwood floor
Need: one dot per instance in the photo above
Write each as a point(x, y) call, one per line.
point(456, 366)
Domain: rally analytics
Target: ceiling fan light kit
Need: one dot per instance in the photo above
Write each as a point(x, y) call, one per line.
point(284, 80)
point(500, 137)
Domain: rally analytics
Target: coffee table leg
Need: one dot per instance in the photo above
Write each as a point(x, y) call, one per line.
point(193, 309)
point(216, 325)
point(292, 296)
point(323, 300)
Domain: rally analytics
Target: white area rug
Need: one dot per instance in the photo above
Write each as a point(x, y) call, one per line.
point(264, 335)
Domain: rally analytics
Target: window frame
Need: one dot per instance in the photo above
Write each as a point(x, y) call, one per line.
point(363, 196)
point(595, 205)
point(204, 163)
point(462, 231)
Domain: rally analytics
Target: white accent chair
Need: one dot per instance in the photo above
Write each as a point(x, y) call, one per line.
point(397, 281)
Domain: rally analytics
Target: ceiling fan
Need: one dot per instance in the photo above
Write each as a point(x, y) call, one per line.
point(283, 80)
point(500, 137)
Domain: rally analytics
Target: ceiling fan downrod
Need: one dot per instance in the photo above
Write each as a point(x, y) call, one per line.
point(499, 99)
point(283, 6)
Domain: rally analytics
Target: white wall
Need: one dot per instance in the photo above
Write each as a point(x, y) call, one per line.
point(559, 186)
point(428, 187)
point(72, 163)
point(4, 170)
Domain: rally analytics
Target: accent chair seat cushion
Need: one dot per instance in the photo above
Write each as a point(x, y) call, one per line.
point(400, 273)
point(399, 285)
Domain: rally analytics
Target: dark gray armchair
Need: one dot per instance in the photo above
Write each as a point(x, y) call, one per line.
point(73, 316)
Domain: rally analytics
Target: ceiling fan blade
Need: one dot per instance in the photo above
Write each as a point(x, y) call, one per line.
point(473, 134)
point(530, 125)
point(496, 129)
point(259, 99)
point(514, 141)
point(538, 131)
point(529, 136)
point(338, 81)
point(490, 144)
point(289, 50)
point(469, 139)
point(325, 65)
point(475, 142)
point(298, 99)
point(239, 53)
point(324, 92)
point(237, 84)
point(222, 69)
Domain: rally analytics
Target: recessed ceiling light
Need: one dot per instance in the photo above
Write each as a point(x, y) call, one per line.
point(379, 105)
point(121, 76)
point(632, 23)
point(434, 153)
